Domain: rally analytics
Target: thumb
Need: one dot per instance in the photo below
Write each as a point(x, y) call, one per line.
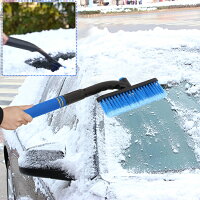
point(25, 107)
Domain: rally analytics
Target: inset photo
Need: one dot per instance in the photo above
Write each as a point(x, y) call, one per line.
point(39, 38)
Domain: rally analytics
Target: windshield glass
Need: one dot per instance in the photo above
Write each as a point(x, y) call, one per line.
point(161, 136)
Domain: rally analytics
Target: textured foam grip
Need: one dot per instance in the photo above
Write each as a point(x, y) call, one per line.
point(46, 106)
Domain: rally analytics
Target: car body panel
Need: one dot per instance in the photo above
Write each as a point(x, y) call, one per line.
point(24, 186)
point(100, 165)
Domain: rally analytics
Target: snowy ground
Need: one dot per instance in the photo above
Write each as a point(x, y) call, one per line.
point(143, 7)
point(172, 57)
point(53, 41)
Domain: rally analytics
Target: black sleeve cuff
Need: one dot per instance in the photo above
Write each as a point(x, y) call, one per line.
point(1, 115)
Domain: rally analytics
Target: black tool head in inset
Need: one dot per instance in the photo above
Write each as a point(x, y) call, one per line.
point(53, 65)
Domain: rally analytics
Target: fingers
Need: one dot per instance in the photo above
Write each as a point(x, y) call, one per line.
point(24, 122)
point(18, 124)
point(12, 126)
point(25, 107)
point(5, 38)
point(26, 117)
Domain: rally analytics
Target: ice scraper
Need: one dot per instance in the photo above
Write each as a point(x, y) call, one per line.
point(126, 97)
point(14, 42)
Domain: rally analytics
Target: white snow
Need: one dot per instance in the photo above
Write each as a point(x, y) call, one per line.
point(1, 146)
point(25, 198)
point(52, 41)
point(171, 56)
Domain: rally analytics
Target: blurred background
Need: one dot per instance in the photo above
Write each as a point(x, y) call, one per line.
point(26, 17)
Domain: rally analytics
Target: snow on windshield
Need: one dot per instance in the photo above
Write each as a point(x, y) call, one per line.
point(52, 42)
point(172, 56)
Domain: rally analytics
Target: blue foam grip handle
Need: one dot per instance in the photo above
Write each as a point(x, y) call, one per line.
point(46, 106)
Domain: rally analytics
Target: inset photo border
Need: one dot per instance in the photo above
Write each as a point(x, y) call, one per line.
point(39, 38)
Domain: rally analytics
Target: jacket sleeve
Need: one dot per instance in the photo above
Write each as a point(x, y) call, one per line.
point(1, 115)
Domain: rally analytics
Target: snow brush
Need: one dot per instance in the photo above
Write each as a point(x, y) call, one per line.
point(21, 44)
point(126, 97)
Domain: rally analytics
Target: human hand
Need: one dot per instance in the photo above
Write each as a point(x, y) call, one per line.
point(14, 116)
point(5, 38)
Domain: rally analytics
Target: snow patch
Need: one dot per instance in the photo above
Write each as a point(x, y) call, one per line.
point(52, 41)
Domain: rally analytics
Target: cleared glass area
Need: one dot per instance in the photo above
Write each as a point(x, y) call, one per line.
point(158, 141)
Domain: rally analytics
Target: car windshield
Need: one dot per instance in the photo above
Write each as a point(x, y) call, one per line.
point(161, 134)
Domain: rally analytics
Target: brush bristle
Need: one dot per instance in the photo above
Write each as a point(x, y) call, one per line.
point(125, 101)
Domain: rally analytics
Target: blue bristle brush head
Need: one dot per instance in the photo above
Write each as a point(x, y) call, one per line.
point(132, 97)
